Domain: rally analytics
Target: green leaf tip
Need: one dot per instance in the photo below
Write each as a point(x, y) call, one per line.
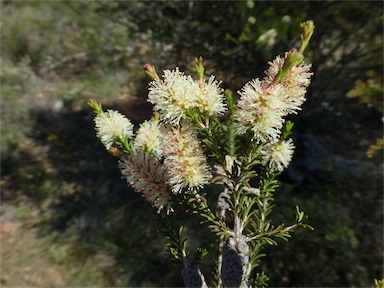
point(96, 106)
point(199, 67)
point(308, 29)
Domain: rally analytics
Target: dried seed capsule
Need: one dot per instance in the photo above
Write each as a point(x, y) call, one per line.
point(193, 277)
point(235, 262)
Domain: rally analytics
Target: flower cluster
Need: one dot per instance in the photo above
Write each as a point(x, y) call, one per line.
point(264, 103)
point(146, 175)
point(160, 161)
point(165, 156)
point(184, 159)
point(209, 98)
point(172, 96)
point(260, 110)
point(165, 159)
point(148, 138)
point(177, 93)
point(112, 127)
point(294, 84)
point(277, 155)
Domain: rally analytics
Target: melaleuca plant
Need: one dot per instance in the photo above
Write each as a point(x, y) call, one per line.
point(199, 136)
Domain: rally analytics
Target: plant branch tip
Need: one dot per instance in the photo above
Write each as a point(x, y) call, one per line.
point(151, 71)
point(308, 29)
point(199, 67)
point(96, 106)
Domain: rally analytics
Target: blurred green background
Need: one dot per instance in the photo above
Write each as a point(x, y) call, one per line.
point(67, 217)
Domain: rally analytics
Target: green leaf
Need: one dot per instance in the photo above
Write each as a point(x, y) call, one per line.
point(173, 252)
point(96, 106)
point(287, 130)
point(229, 98)
point(260, 280)
point(270, 241)
point(184, 245)
point(284, 236)
point(299, 215)
point(200, 253)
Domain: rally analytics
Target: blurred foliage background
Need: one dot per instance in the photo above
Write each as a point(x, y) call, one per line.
point(67, 217)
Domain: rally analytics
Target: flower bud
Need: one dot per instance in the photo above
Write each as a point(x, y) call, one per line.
point(150, 71)
point(199, 67)
point(308, 28)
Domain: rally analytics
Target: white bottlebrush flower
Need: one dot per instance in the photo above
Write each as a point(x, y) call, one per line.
point(211, 98)
point(278, 155)
point(299, 74)
point(260, 109)
point(173, 95)
point(146, 175)
point(112, 126)
point(274, 68)
point(184, 159)
point(148, 138)
point(263, 104)
point(295, 83)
